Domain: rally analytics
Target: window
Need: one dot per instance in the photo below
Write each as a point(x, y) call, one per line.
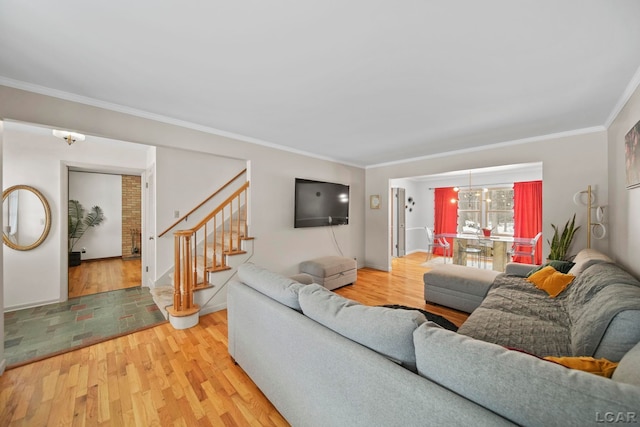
point(499, 215)
point(469, 211)
point(486, 208)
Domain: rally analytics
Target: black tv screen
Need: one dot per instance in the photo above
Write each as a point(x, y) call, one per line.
point(319, 204)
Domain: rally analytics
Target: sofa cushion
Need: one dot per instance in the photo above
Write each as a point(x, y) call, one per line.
point(628, 370)
point(520, 387)
point(621, 335)
point(274, 285)
point(385, 330)
point(561, 266)
point(468, 280)
point(551, 281)
point(585, 259)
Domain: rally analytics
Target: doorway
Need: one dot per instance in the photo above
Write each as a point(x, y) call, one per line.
point(109, 250)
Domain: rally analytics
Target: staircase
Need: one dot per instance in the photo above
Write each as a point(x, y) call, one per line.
point(206, 257)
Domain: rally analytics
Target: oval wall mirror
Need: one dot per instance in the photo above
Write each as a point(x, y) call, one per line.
point(26, 217)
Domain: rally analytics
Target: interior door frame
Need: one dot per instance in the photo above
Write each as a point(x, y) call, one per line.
point(66, 167)
point(148, 241)
point(398, 228)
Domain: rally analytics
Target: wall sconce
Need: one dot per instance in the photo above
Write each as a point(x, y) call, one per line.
point(70, 137)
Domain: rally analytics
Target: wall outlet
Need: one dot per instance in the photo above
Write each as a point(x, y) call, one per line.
point(83, 250)
point(176, 214)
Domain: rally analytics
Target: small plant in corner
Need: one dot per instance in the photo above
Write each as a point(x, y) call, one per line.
point(561, 241)
point(79, 222)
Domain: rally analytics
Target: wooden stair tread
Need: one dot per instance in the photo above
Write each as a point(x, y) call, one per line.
point(203, 285)
point(218, 268)
point(183, 313)
point(240, 252)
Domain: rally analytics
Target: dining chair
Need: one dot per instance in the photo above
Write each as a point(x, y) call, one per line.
point(476, 249)
point(525, 249)
point(433, 243)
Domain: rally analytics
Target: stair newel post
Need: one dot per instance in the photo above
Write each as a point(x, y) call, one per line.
point(244, 211)
point(194, 259)
point(232, 228)
point(225, 229)
point(204, 253)
point(215, 242)
point(237, 227)
point(176, 276)
point(186, 292)
point(223, 236)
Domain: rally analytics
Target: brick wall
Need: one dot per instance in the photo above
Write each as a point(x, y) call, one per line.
point(131, 215)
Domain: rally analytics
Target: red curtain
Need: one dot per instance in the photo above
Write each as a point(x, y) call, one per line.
point(527, 214)
point(446, 214)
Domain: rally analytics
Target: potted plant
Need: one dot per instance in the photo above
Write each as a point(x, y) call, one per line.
point(79, 222)
point(561, 241)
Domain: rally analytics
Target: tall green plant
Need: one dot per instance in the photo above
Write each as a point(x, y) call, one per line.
point(561, 241)
point(79, 223)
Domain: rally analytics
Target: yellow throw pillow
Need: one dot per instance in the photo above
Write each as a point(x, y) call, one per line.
point(602, 367)
point(551, 281)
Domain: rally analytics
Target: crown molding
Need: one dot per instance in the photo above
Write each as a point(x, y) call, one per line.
point(575, 132)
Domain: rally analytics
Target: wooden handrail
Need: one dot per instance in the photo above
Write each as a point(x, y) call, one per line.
point(219, 208)
point(182, 218)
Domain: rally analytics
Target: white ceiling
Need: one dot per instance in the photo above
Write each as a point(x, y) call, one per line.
point(360, 82)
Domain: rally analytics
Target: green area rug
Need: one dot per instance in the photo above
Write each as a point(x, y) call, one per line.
point(39, 332)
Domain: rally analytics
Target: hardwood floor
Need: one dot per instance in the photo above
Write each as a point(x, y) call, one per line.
point(92, 277)
point(162, 376)
point(402, 286)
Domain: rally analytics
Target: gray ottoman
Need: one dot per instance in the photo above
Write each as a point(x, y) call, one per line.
point(331, 271)
point(457, 286)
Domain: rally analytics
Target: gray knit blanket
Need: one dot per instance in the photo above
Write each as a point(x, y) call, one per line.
point(517, 315)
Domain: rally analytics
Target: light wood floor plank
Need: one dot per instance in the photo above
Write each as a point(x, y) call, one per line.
point(161, 376)
point(103, 275)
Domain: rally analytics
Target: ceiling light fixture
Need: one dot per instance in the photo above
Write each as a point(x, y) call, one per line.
point(68, 136)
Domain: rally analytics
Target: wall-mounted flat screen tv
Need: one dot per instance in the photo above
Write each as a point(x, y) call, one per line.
point(319, 204)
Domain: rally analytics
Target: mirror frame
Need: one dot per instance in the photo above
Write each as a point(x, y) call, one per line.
point(47, 212)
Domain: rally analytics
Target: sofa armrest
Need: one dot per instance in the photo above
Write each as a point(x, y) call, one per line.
point(518, 269)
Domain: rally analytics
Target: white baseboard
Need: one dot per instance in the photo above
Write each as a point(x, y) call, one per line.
point(212, 308)
point(30, 305)
point(378, 267)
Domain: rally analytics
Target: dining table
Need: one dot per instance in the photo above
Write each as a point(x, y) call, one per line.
point(498, 246)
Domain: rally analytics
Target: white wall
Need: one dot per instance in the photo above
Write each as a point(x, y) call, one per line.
point(569, 164)
point(183, 180)
point(103, 190)
point(32, 156)
point(623, 211)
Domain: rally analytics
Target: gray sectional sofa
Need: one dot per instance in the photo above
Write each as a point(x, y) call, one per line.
point(597, 315)
point(324, 360)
